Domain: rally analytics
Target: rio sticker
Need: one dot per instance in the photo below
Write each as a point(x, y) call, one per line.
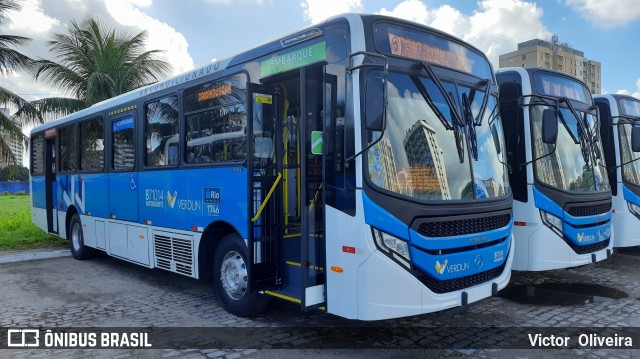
point(212, 200)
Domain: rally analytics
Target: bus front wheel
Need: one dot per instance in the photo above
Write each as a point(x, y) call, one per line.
point(76, 237)
point(231, 277)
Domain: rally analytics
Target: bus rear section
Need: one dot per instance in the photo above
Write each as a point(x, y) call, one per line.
point(562, 196)
point(619, 114)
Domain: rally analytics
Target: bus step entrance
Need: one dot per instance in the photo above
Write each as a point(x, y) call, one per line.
point(292, 291)
point(265, 268)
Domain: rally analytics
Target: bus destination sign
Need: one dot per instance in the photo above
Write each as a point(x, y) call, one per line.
point(406, 47)
point(215, 92)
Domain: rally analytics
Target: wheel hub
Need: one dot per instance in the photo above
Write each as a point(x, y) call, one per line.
point(233, 275)
point(76, 235)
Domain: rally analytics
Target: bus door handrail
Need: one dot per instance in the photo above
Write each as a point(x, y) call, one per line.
point(264, 203)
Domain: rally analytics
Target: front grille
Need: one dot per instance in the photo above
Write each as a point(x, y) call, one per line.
point(589, 248)
point(451, 285)
point(590, 209)
point(448, 228)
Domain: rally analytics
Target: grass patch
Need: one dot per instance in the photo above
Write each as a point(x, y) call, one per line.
point(16, 229)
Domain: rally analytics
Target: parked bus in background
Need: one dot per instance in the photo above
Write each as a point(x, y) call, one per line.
point(620, 117)
point(357, 165)
point(562, 197)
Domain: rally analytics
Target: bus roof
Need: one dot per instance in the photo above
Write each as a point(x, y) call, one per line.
point(531, 70)
point(189, 76)
point(244, 56)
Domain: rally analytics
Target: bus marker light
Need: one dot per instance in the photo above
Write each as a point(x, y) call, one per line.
point(141, 236)
point(88, 213)
point(146, 221)
point(197, 229)
point(337, 269)
point(348, 249)
point(521, 224)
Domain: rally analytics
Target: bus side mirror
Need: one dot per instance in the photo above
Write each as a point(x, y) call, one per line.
point(549, 126)
point(375, 106)
point(496, 138)
point(635, 139)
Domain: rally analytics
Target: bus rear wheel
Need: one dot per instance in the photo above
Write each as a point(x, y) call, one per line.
point(231, 278)
point(76, 237)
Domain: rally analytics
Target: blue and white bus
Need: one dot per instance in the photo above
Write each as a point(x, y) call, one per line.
point(357, 165)
point(561, 192)
point(620, 114)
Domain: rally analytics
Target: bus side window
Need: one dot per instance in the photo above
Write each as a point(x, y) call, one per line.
point(216, 121)
point(162, 132)
point(37, 156)
point(123, 151)
point(217, 135)
point(68, 154)
point(92, 145)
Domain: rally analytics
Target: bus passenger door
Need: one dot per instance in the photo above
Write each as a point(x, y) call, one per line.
point(51, 185)
point(312, 198)
point(123, 180)
point(265, 190)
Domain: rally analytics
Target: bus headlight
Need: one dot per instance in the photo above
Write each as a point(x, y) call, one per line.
point(554, 223)
point(634, 208)
point(395, 246)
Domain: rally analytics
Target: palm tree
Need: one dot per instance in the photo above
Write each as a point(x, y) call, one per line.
point(95, 64)
point(11, 60)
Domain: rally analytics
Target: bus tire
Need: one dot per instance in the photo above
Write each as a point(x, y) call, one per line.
point(76, 237)
point(230, 275)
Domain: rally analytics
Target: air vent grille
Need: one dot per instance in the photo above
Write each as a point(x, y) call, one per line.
point(173, 253)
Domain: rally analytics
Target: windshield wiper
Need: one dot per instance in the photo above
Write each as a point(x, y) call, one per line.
point(445, 94)
point(625, 120)
point(594, 136)
point(485, 101)
point(585, 140)
point(427, 98)
point(471, 128)
point(457, 121)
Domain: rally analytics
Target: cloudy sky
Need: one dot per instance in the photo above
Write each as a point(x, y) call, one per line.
point(193, 32)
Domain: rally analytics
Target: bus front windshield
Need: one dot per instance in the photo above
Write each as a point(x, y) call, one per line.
point(426, 154)
point(577, 167)
point(630, 162)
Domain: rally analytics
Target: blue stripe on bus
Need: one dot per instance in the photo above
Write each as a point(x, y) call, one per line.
point(178, 199)
point(462, 264)
point(378, 217)
point(38, 192)
point(444, 266)
point(630, 196)
point(587, 232)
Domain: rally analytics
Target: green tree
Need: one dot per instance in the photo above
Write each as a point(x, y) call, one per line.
point(14, 173)
point(12, 60)
point(95, 63)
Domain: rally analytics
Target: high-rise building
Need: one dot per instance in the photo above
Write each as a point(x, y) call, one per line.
point(383, 167)
point(15, 144)
point(427, 167)
point(557, 56)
